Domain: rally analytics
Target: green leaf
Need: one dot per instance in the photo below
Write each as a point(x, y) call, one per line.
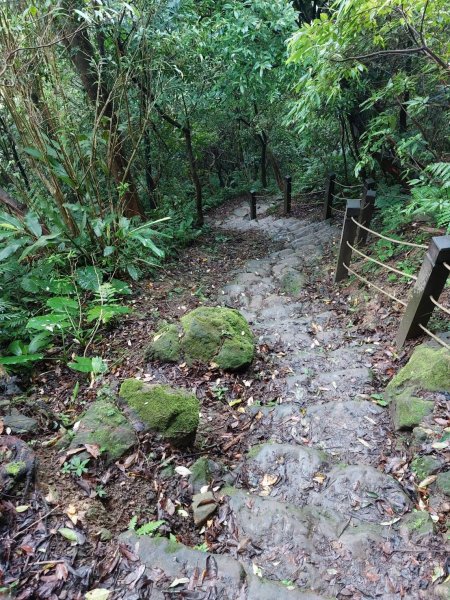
point(149, 528)
point(61, 304)
point(106, 312)
point(50, 322)
point(133, 272)
point(38, 342)
point(40, 243)
point(121, 287)
point(17, 348)
point(20, 360)
point(69, 534)
point(82, 364)
point(32, 222)
point(10, 249)
point(108, 250)
point(89, 278)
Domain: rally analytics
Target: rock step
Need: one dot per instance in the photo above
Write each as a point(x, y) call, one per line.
point(204, 576)
point(316, 547)
point(305, 476)
point(351, 431)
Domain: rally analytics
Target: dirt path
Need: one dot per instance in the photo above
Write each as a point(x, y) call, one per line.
point(310, 512)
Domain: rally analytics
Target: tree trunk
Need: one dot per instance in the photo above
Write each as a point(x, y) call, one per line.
point(81, 52)
point(276, 169)
point(195, 178)
point(263, 141)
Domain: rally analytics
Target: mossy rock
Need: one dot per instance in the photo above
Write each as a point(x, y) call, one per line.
point(206, 335)
point(427, 369)
point(171, 412)
point(443, 483)
point(417, 525)
point(423, 466)
point(105, 425)
point(292, 282)
point(409, 411)
point(202, 472)
point(165, 346)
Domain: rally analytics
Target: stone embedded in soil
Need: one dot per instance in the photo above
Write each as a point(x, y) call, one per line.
point(105, 425)
point(17, 462)
point(301, 544)
point(416, 526)
point(19, 423)
point(408, 411)
point(203, 471)
point(290, 468)
point(171, 412)
point(206, 335)
point(203, 507)
point(443, 482)
point(292, 282)
point(165, 345)
point(423, 466)
point(362, 492)
point(427, 369)
point(227, 577)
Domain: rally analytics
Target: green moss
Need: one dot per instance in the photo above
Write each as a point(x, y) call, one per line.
point(292, 283)
point(173, 413)
point(165, 345)
point(427, 369)
point(219, 335)
point(200, 471)
point(15, 468)
point(408, 411)
point(255, 450)
point(104, 424)
point(172, 546)
point(424, 466)
point(418, 523)
point(443, 482)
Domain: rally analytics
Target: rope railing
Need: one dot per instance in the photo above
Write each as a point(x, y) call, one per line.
point(381, 264)
point(447, 266)
point(389, 239)
point(443, 308)
point(369, 283)
point(344, 185)
point(434, 337)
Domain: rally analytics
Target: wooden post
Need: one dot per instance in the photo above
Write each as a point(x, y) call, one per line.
point(430, 282)
point(252, 205)
point(287, 194)
point(365, 217)
point(348, 237)
point(369, 184)
point(329, 193)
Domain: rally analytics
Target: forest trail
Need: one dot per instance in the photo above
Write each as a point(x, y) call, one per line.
point(310, 511)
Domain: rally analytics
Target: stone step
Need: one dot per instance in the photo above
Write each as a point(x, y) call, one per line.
point(314, 547)
point(203, 576)
point(302, 475)
point(354, 431)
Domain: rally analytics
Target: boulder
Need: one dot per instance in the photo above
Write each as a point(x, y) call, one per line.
point(423, 466)
point(19, 423)
point(171, 412)
point(206, 335)
point(203, 471)
point(105, 425)
point(427, 369)
point(408, 411)
point(203, 507)
point(443, 482)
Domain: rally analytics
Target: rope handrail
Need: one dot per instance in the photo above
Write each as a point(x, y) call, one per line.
point(374, 260)
point(436, 303)
point(389, 239)
point(447, 266)
point(435, 337)
point(343, 185)
point(369, 283)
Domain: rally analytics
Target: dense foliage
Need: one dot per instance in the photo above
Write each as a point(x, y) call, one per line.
point(120, 121)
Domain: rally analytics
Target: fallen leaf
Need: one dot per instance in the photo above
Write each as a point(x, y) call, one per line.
point(427, 481)
point(98, 594)
point(70, 535)
point(183, 471)
point(179, 581)
point(93, 449)
point(22, 508)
